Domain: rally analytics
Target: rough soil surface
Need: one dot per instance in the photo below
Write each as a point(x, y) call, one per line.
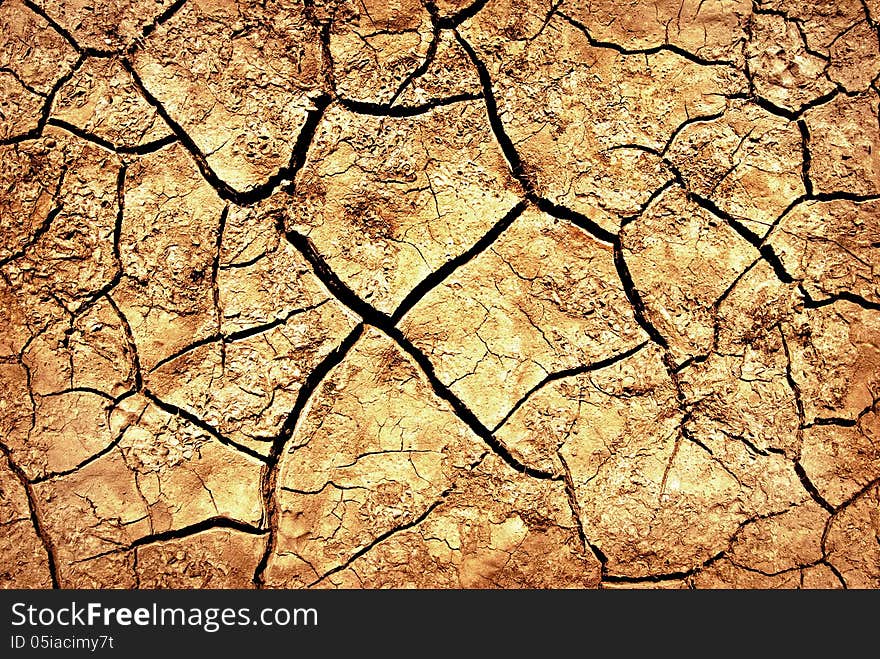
point(504, 293)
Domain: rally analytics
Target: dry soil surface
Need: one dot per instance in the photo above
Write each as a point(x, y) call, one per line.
point(415, 294)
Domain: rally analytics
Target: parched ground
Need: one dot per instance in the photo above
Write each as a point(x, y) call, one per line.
point(401, 294)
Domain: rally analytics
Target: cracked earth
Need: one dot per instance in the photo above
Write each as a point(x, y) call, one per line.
point(454, 294)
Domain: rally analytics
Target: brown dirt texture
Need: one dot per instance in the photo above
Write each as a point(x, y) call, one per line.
point(453, 294)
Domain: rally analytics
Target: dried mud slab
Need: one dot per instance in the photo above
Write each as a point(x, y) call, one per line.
point(831, 247)
point(106, 27)
point(454, 294)
point(275, 324)
point(682, 259)
point(851, 541)
point(213, 558)
point(239, 114)
point(59, 216)
point(101, 103)
point(841, 457)
point(544, 289)
point(529, 540)
point(748, 163)
point(835, 359)
point(592, 143)
point(158, 477)
point(376, 47)
point(785, 70)
point(413, 193)
point(712, 30)
point(844, 145)
point(617, 434)
point(25, 563)
point(34, 60)
point(392, 450)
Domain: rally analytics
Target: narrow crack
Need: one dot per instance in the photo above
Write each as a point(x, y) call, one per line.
point(269, 474)
point(845, 296)
point(793, 115)
point(36, 522)
point(41, 231)
point(634, 297)
point(225, 191)
point(442, 273)
point(239, 335)
point(667, 47)
point(567, 373)
point(807, 157)
point(134, 150)
point(507, 147)
point(210, 524)
point(452, 22)
point(161, 19)
point(175, 410)
point(667, 576)
point(574, 505)
point(131, 345)
point(422, 68)
point(387, 110)
point(215, 287)
point(52, 475)
point(119, 269)
point(811, 489)
point(382, 537)
point(9, 71)
point(835, 512)
point(578, 219)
